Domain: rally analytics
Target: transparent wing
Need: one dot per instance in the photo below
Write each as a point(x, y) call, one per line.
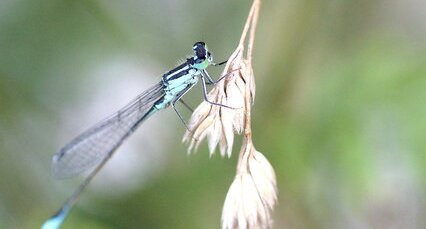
point(92, 146)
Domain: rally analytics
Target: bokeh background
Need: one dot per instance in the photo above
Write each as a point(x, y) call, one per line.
point(340, 110)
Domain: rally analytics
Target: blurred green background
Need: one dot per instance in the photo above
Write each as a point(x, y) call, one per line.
point(340, 110)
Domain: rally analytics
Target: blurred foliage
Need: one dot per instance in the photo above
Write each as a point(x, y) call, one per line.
point(339, 112)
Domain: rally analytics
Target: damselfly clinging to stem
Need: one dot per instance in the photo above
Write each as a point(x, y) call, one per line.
point(95, 146)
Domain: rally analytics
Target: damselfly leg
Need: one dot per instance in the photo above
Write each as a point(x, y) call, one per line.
point(212, 81)
point(178, 98)
point(203, 81)
point(186, 105)
point(223, 62)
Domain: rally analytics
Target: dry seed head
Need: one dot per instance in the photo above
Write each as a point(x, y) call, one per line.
point(218, 123)
point(253, 193)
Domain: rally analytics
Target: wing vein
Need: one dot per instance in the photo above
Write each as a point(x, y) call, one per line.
point(97, 143)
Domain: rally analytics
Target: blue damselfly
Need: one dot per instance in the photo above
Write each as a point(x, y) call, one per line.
point(94, 147)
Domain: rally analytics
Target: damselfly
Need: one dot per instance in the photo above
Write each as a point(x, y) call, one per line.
point(95, 146)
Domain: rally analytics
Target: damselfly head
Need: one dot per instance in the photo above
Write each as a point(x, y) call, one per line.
point(200, 50)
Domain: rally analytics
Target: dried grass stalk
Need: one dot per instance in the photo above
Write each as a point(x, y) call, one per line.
point(253, 194)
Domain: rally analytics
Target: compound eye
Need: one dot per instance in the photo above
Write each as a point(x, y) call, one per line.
point(198, 45)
